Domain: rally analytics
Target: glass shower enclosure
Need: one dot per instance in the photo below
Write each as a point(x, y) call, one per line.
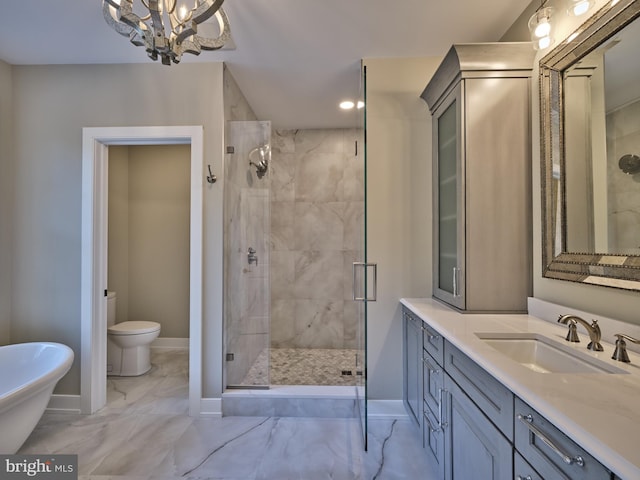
point(247, 232)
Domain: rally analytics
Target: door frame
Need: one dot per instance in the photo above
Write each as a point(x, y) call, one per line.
point(93, 302)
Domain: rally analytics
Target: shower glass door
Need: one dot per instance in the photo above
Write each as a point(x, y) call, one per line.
point(247, 259)
point(363, 282)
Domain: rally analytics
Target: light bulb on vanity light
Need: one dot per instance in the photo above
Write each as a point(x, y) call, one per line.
point(579, 7)
point(541, 28)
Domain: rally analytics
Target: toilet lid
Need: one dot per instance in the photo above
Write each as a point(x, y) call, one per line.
point(133, 328)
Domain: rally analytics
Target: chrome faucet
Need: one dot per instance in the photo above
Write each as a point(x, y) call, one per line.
point(593, 329)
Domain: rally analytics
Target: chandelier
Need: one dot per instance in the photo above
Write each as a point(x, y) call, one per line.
point(149, 29)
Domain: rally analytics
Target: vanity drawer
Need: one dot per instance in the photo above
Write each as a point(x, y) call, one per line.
point(433, 383)
point(522, 470)
point(549, 451)
point(433, 441)
point(493, 398)
point(433, 343)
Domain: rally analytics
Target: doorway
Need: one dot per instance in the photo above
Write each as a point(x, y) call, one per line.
point(95, 153)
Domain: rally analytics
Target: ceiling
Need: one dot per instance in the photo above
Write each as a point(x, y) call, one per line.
point(294, 59)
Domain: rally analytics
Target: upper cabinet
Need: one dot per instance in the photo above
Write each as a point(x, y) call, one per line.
point(480, 99)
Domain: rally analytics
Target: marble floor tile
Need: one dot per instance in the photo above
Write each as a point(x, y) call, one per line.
point(137, 437)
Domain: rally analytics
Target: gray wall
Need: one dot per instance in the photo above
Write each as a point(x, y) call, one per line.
point(52, 105)
point(398, 207)
point(6, 168)
point(149, 194)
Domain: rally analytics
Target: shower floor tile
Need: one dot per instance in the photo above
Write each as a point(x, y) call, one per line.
point(304, 366)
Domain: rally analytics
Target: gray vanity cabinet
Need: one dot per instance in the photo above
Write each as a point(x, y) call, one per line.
point(475, 447)
point(479, 100)
point(412, 365)
point(458, 436)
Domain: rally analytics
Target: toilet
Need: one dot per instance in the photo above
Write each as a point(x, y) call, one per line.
point(128, 343)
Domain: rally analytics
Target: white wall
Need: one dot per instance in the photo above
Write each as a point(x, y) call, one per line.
point(52, 105)
point(398, 206)
point(6, 168)
point(619, 304)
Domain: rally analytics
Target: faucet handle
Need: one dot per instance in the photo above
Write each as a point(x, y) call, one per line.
point(572, 334)
point(620, 352)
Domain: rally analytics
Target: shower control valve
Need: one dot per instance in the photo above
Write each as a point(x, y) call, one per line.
point(251, 256)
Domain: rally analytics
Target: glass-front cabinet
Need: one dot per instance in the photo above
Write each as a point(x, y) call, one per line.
point(480, 100)
point(448, 263)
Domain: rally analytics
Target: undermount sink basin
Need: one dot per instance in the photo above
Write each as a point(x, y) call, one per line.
point(544, 355)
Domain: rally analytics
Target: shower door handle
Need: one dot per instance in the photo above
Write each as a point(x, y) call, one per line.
point(365, 294)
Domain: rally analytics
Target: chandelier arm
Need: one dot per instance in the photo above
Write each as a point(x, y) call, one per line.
point(205, 10)
point(120, 27)
point(220, 40)
point(128, 24)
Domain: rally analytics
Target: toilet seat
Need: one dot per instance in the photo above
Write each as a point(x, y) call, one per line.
point(133, 328)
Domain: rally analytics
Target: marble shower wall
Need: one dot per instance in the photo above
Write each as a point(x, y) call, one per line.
point(317, 230)
point(623, 132)
point(246, 225)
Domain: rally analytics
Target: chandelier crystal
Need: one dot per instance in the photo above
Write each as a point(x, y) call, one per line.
point(182, 17)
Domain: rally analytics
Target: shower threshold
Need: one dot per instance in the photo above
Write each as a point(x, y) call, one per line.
point(291, 401)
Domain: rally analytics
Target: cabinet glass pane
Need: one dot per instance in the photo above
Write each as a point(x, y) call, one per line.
point(447, 198)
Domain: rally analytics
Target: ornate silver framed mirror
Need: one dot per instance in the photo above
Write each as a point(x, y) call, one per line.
point(590, 140)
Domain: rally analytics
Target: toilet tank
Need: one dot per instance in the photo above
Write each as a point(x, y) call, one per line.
point(111, 309)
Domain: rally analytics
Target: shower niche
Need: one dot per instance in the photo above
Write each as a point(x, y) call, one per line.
point(247, 229)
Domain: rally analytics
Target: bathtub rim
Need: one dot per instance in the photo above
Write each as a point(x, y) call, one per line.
point(40, 383)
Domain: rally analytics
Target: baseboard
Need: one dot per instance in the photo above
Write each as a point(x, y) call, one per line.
point(386, 410)
point(169, 342)
point(210, 407)
point(64, 404)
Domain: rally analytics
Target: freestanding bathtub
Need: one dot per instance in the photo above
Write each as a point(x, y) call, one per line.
point(28, 374)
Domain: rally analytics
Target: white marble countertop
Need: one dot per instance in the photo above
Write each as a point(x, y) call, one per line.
point(599, 411)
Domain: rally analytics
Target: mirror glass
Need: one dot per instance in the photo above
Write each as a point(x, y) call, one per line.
point(590, 111)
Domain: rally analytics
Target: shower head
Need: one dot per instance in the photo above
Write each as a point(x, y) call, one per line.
point(259, 157)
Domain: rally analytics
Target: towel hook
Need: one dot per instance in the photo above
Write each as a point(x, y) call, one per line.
point(211, 178)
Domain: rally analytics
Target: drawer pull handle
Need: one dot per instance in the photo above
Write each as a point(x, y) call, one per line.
point(441, 425)
point(568, 459)
point(431, 427)
point(441, 392)
point(430, 367)
point(520, 477)
point(431, 336)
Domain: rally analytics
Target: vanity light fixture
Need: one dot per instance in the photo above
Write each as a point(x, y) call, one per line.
point(169, 28)
point(579, 7)
point(541, 28)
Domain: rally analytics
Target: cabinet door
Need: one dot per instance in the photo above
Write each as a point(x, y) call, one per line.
point(412, 371)
point(448, 201)
point(475, 448)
